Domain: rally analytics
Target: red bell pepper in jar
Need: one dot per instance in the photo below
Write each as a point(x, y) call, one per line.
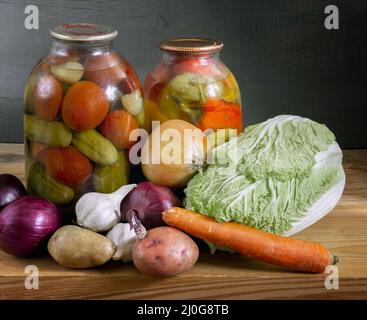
point(218, 114)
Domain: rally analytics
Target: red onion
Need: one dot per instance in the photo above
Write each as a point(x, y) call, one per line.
point(11, 188)
point(26, 224)
point(147, 202)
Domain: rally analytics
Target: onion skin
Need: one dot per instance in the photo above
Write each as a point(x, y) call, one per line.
point(11, 188)
point(192, 156)
point(26, 224)
point(171, 175)
point(149, 200)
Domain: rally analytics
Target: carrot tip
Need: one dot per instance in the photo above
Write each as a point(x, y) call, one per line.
point(335, 260)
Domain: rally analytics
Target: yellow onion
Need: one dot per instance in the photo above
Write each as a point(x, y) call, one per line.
point(173, 153)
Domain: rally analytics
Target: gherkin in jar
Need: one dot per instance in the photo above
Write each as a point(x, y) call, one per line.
point(70, 95)
point(192, 84)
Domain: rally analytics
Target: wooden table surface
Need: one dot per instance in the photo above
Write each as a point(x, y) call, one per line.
point(222, 276)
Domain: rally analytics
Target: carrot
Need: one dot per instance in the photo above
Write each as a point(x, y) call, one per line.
point(270, 248)
point(219, 114)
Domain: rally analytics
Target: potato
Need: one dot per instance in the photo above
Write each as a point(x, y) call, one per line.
point(75, 247)
point(165, 251)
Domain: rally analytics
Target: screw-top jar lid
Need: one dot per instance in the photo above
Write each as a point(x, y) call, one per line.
point(83, 32)
point(193, 45)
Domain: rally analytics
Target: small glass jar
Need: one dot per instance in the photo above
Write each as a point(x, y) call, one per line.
point(191, 83)
point(81, 103)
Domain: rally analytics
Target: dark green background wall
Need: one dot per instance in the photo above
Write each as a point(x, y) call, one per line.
point(286, 62)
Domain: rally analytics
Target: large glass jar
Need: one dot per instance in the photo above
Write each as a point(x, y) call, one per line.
point(191, 83)
point(81, 103)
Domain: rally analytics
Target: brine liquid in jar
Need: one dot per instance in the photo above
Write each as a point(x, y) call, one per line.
point(81, 103)
point(191, 83)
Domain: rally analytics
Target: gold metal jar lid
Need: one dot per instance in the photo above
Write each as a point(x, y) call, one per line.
point(191, 45)
point(83, 32)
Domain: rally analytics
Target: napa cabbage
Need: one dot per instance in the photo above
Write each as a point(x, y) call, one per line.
point(280, 176)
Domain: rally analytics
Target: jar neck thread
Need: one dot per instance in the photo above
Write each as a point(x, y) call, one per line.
point(203, 58)
point(61, 47)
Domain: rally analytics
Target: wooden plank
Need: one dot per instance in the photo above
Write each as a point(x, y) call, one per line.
point(222, 276)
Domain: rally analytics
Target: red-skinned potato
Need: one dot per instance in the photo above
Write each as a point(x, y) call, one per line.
point(85, 106)
point(47, 97)
point(164, 251)
point(105, 69)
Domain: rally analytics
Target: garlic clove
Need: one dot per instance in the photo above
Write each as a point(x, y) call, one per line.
point(123, 237)
point(123, 191)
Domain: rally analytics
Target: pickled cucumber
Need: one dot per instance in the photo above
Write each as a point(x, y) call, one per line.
point(95, 147)
point(53, 133)
point(194, 87)
point(45, 186)
point(108, 179)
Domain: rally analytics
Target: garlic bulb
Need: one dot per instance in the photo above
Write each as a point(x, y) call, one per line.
point(123, 237)
point(100, 211)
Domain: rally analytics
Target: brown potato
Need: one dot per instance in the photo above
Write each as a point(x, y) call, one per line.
point(75, 247)
point(165, 251)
